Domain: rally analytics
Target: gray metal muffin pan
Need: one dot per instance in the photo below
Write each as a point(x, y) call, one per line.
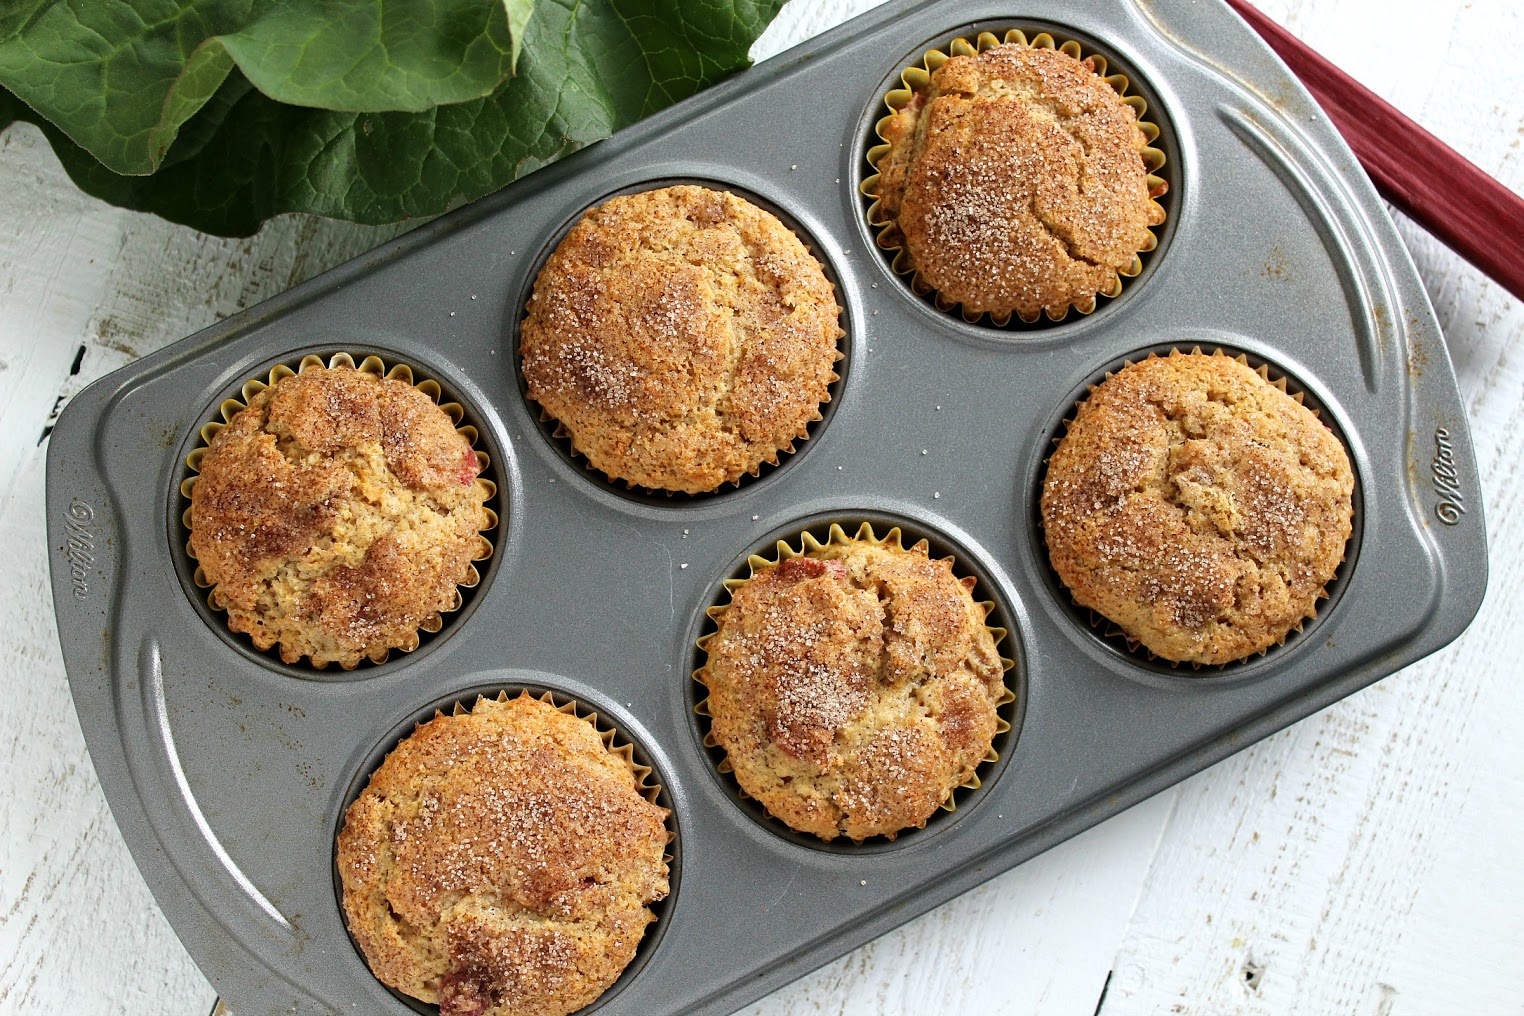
point(228, 771)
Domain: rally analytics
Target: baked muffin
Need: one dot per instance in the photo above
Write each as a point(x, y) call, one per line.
point(1198, 507)
point(1014, 183)
point(336, 515)
point(502, 862)
point(854, 688)
point(681, 337)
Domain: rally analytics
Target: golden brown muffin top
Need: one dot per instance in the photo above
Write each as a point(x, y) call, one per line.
point(681, 337)
point(502, 862)
point(336, 514)
point(1015, 182)
point(1198, 507)
point(855, 688)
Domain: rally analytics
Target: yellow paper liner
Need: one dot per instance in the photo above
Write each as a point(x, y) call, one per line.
point(372, 364)
point(1103, 624)
point(807, 543)
point(559, 432)
point(919, 76)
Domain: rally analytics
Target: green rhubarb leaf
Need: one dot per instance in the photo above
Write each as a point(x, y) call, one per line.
point(118, 81)
point(372, 55)
point(518, 12)
point(120, 77)
point(588, 68)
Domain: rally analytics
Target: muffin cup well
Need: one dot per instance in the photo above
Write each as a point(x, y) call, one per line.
point(561, 439)
point(374, 365)
point(619, 743)
point(1111, 634)
point(784, 551)
point(919, 76)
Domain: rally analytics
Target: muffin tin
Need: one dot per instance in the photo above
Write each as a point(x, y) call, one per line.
point(228, 771)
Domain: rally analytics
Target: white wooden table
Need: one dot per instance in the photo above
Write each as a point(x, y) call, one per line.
point(1364, 861)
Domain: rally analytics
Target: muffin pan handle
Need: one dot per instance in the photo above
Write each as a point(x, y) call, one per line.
point(84, 534)
point(1445, 485)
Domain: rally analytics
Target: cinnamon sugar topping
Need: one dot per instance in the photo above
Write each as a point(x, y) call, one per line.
point(681, 337)
point(854, 688)
point(502, 862)
point(337, 514)
point(1198, 507)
